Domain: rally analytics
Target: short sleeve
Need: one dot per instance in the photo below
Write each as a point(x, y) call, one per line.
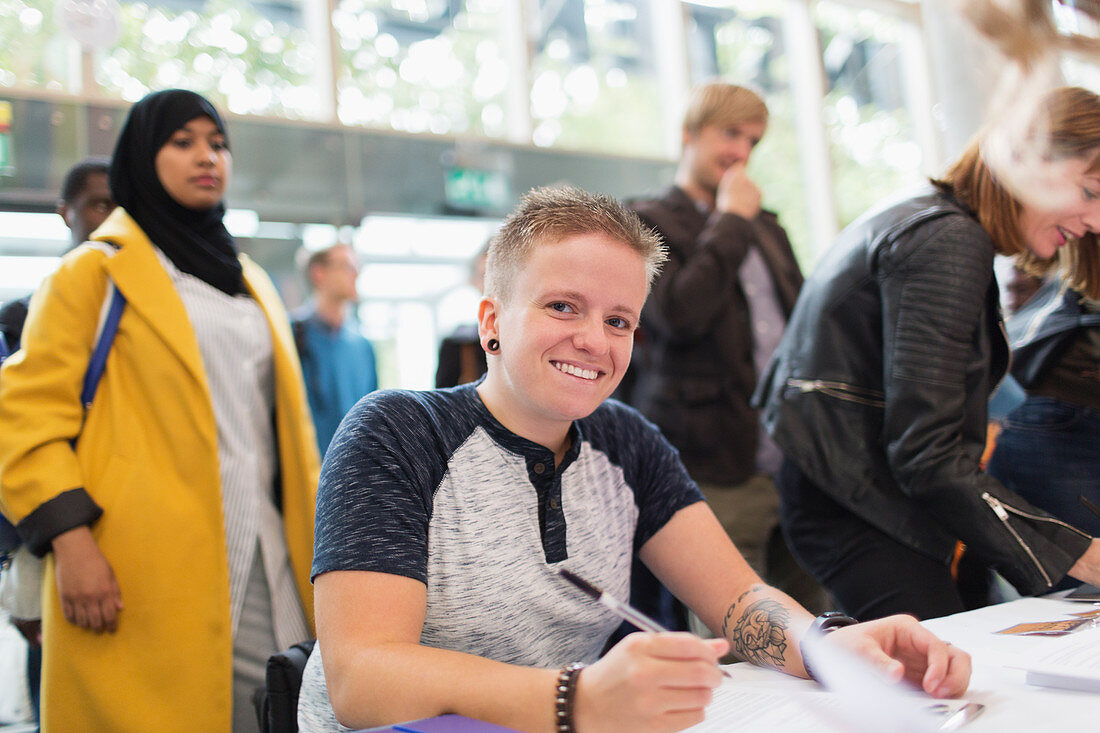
point(374, 499)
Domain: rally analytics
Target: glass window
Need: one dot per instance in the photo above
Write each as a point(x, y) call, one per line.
point(415, 282)
point(31, 246)
point(594, 83)
point(743, 44)
point(1079, 69)
point(435, 66)
point(248, 57)
point(33, 51)
point(1081, 72)
point(871, 137)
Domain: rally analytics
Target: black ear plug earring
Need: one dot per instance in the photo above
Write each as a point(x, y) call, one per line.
point(492, 346)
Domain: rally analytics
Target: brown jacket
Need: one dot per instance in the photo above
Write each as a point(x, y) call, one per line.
point(693, 370)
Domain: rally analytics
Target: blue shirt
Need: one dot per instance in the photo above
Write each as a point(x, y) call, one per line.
point(338, 366)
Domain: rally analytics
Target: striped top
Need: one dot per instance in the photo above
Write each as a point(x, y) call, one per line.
point(429, 485)
point(237, 354)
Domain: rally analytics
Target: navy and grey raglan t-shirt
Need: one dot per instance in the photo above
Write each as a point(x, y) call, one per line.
point(431, 486)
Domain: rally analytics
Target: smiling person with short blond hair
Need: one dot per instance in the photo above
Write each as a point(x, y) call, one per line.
point(444, 516)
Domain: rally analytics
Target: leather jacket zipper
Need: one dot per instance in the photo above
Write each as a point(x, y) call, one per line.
point(1002, 510)
point(840, 390)
point(1035, 517)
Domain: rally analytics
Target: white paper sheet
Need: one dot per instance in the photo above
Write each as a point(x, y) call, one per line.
point(757, 701)
point(1071, 662)
point(745, 708)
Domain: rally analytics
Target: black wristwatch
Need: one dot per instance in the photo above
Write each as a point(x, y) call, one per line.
point(830, 621)
point(826, 623)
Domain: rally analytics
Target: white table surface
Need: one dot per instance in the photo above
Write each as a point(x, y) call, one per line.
point(772, 702)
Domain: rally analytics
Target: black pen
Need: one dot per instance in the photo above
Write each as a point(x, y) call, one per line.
point(622, 610)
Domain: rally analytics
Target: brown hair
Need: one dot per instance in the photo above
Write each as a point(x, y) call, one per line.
point(723, 104)
point(1070, 120)
point(549, 215)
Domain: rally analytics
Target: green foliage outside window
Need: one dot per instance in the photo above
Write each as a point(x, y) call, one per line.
point(33, 53)
point(599, 92)
point(751, 54)
point(883, 162)
point(595, 107)
point(422, 73)
point(413, 67)
point(775, 168)
point(870, 132)
point(228, 51)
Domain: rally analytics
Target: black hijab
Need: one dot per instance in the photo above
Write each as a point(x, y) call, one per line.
point(195, 241)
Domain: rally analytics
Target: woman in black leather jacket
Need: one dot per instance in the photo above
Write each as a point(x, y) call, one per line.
point(878, 392)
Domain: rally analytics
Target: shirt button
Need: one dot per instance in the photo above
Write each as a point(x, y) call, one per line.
point(539, 468)
point(554, 504)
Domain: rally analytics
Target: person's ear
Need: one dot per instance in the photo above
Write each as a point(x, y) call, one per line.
point(487, 323)
point(64, 211)
point(687, 137)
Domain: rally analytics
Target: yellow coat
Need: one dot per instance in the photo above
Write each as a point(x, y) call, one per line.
point(148, 456)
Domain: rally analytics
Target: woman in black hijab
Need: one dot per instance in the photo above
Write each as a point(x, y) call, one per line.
point(194, 239)
point(179, 505)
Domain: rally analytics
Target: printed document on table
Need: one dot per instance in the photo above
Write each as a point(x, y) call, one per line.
point(748, 708)
point(1071, 662)
point(756, 700)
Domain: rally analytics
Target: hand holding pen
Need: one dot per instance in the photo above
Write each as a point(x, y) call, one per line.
point(656, 681)
point(624, 611)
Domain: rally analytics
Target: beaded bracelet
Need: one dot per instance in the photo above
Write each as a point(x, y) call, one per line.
point(565, 691)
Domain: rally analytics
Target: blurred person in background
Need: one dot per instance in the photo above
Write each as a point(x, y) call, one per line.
point(461, 358)
point(879, 392)
point(84, 205)
point(337, 360)
point(1048, 450)
point(179, 528)
point(1017, 292)
point(716, 313)
point(1020, 288)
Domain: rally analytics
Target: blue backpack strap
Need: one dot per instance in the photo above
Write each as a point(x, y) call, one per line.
point(9, 538)
point(103, 346)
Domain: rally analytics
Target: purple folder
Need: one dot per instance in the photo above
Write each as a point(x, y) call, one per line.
point(442, 724)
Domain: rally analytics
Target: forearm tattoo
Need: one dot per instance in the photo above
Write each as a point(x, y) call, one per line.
point(759, 634)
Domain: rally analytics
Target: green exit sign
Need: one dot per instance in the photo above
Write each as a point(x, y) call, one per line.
point(470, 188)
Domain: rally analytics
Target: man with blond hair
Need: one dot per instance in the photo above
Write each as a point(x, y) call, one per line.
point(715, 315)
